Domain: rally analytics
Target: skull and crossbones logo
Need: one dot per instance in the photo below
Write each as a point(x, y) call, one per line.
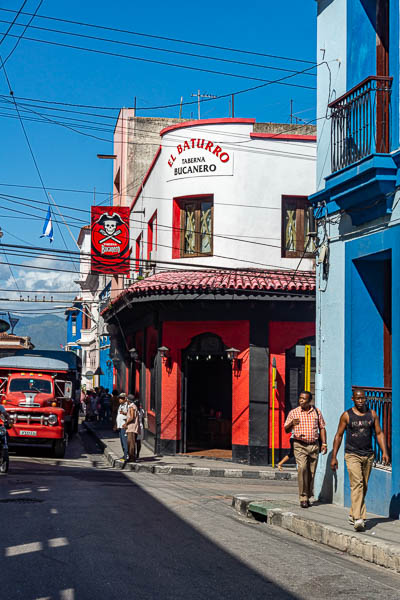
point(110, 229)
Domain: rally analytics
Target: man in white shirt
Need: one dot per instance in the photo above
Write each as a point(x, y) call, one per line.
point(120, 422)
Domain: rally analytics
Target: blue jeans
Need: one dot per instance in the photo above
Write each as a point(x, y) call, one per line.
point(123, 436)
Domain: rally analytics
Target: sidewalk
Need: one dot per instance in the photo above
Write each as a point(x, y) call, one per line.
point(180, 464)
point(328, 524)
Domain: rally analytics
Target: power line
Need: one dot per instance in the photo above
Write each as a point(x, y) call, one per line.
point(169, 39)
point(53, 189)
point(142, 260)
point(30, 147)
point(18, 12)
point(161, 225)
point(167, 50)
point(113, 129)
point(236, 145)
point(23, 32)
point(175, 65)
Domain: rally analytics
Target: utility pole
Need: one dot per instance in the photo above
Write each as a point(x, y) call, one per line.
point(180, 108)
point(291, 111)
point(199, 96)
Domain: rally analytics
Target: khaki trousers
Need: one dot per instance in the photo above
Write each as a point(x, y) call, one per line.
point(131, 445)
point(359, 468)
point(306, 456)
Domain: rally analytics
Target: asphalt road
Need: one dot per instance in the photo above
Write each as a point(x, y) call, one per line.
point(74, 531)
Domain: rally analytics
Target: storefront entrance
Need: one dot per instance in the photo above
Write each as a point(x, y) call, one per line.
point(207, 396)
point(300, 372)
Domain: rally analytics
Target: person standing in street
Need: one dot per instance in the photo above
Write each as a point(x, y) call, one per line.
point(359, 422)
point(122, 415)
point(132, 429)
point(140, 434)
point(114, 408)
point(307, 425)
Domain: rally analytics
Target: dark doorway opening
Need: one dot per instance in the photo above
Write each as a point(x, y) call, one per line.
point(296, 365)
point(207, 396)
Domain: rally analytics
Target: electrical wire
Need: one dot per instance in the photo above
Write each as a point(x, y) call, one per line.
point(281, 81)
point(24, 107)
point(54, 189)
point(159, 225)
point(30, 148)
point(142, 260)
point(169, 39)
point(18, 12)
point(23, 32)
point(158, 49)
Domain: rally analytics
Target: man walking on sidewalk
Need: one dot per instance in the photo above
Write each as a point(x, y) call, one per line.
point(359, 423)
point(307, 425)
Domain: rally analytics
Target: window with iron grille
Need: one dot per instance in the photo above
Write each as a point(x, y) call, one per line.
point(297, 223)
point(196, 226)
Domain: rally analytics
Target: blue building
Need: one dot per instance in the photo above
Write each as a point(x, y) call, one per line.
point(106, 365)
point(357, 206)
point(73, 316)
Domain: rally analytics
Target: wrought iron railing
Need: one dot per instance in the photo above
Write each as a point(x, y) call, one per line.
point(360, 122)
point(380, 400)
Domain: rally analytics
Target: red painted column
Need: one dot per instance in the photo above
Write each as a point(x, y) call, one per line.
point(282, 336)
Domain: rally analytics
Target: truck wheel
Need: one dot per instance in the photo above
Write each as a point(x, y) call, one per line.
point(59, 448)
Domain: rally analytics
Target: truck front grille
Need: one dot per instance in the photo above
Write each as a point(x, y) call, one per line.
point(27, 418)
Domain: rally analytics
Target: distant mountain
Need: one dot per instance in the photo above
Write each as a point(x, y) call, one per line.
point(47, 332)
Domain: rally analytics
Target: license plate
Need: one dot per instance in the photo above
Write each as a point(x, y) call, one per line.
point(28, 432)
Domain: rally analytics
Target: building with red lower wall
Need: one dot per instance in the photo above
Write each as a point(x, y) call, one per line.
point(222, 288)
point(179, 331)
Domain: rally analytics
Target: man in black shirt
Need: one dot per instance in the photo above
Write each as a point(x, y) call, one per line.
point(359, 423)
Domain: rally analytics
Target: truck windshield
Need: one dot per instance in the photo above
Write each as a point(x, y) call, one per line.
point(30, 385)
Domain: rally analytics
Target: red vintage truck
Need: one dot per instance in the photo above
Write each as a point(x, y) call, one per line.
point(40, 392)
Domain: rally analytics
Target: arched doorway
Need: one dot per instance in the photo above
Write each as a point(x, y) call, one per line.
point(206, 417)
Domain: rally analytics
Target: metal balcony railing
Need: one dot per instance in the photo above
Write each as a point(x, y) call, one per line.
point(360, 122)
point(380, 400)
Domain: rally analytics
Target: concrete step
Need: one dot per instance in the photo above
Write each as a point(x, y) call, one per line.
point(177, 465)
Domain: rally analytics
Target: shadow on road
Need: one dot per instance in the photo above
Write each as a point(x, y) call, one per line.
point(77, 534)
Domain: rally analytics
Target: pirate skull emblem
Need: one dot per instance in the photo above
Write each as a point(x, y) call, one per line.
point(110, 226)
point(109, 229)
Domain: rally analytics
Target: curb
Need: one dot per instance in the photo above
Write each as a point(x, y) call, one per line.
point(373, 551)
point(113, 461)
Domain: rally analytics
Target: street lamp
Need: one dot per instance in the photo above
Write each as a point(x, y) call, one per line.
point(134, 354)
point(165, 356)
point(232, 355)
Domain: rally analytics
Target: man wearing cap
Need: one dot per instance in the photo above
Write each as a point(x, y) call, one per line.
point(359, 423)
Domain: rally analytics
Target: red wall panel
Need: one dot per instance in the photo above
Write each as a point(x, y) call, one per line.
point(282, 336)
point(177, 336)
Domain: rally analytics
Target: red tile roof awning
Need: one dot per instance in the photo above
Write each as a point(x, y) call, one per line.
point(217, 282)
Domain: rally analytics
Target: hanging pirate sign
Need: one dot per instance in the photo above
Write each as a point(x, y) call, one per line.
point(110, 239)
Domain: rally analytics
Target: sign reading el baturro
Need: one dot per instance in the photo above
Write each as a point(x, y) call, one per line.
point(110, 240)
point(199, 157)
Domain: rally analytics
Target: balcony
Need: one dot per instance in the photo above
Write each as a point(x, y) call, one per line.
point(363, 168)
point(380, 400)
point(360, 122)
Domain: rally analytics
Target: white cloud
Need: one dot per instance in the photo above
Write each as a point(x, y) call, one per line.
point(34, 279)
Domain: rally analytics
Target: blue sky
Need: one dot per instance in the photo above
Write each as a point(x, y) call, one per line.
point(47, 72)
